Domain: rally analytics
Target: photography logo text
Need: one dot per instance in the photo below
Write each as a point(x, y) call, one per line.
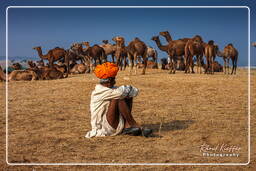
point(220, 150)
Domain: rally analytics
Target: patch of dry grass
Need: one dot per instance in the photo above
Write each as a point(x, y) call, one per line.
point(48, 119)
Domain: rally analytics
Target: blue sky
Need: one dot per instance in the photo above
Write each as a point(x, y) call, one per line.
point(53, 27)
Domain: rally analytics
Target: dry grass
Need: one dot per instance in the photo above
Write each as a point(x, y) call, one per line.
point(48, 120)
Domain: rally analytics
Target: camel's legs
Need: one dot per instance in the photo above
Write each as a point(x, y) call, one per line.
point(145, 59)
point(186, 64)
point(174, 65)
point(191, 64)
point(224, 65)
point(113, 58)
point(124, 62)
point(228, 64)
point(212, 63)
point(171, 65)
point(131, 62)
point(233, 65)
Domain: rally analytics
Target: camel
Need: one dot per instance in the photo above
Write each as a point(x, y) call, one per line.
point(22, 75)
point(210, 51)
point(136, 49)
point(54, 55)
point(150, 64)
point(76, 52)
point(194, 47)
point(16, 66)
point(95, 53)
point(44, 72)
point(175, 50)
point(216, 67)
point(2, 75)
point(159, 45)
point(168, 37)
point(151, 52)
point(254, 44)
point(109, 49)
point(120, 52)
point(79, 69)
point(229, 53)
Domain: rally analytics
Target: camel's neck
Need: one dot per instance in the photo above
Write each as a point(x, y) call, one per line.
point(168, 37)
point(160, 46)
point(39, 51)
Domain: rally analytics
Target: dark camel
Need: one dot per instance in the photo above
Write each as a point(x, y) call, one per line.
point(54, 55)
point(95, 53)
point(44, 72)
point(194, 47)
point(136, 49)
point(210, 52)
point(175, 50)
point(120, 52)
point(229, 53)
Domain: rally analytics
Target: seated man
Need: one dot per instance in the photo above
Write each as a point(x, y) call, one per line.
point(111, 106)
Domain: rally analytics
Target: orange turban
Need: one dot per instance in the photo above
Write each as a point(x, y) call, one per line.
point(106, 70)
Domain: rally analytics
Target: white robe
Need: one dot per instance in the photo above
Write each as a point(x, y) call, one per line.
point(100, 100)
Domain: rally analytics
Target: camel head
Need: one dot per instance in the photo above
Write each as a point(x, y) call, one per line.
point(230, 45)
point(197, 38)
point(87, 44)
point(37, 48)
point(118, 39)
point(164, 33)
point(155, 38)
point(16, 66)
point(211, 42)
point(105, 41)
point(254, 44)
point(31, 64)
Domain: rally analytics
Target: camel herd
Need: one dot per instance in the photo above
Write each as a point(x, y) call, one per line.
point(135, 54)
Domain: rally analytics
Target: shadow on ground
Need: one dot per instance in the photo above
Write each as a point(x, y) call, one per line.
point(170, 126)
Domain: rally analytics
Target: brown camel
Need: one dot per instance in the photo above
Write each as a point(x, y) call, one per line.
point(210, 51)
point(159, 45)
point(95, 53)
point(194, 47)
point(168, 37)
point(22, 75)
point(2, 75)
point(254, 44)
point(44, 72)
point(16, 66)
point(136, 49)
point(79, 69)
point(75, 53)
point(120, 52)
point(54, 55)
point(150, 64)
point(229, 53)
point(109, 49)
point(151, 52)
point(175, 50)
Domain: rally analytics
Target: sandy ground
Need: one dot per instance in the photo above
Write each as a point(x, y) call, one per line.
point(47, 121)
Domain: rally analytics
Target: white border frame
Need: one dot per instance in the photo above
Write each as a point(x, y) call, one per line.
point(191, 164)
